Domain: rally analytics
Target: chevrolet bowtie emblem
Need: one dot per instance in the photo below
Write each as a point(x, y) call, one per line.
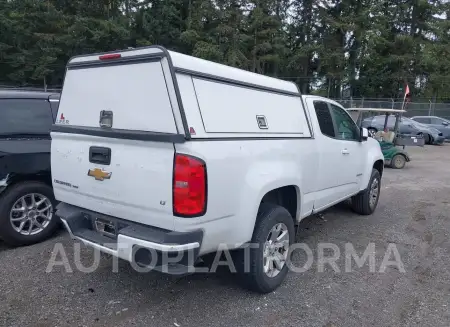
point(99, 174)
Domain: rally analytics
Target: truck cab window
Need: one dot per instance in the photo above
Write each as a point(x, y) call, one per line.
point(324, 118)
point(346, 128)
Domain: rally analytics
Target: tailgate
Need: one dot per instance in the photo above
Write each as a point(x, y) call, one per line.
point(113, 141)
point(136, 185)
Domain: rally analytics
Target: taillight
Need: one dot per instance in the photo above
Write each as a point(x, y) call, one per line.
point(110, 56)
point(189, 186)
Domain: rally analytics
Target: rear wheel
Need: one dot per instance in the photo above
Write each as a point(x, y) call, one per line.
point(365, 202)
point(266, 267)
point(26, 213)
point(398, 161)
point(372, 131)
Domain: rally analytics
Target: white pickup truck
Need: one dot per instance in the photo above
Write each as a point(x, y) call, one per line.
point(156, 154)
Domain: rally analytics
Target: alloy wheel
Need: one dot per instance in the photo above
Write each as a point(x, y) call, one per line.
point(374, 192)
point(276, 250)
point(31, 214)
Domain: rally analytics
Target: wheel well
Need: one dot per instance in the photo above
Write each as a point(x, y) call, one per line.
point(18, 178)
point(285, 196)
point(425, 135)
point(379, 165)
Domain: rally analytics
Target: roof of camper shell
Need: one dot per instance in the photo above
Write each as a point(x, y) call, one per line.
point(189, 64)
point(202, 66)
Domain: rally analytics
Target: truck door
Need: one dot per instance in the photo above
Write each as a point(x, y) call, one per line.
point(352, 149)
point(340, 154)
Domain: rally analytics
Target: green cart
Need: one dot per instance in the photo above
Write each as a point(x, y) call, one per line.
point(391, 142)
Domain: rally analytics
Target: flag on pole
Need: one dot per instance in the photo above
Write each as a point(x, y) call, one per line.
point(407, 94)
point(406, 98)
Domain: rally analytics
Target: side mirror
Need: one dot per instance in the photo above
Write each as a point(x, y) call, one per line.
point(364, 134)
point(444, 123)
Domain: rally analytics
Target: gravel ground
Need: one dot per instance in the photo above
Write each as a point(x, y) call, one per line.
point(413, 213)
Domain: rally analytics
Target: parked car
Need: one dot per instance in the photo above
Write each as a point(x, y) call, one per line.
point(177, 156)
point(441, 124)
point(27, 202)
point(406, 126)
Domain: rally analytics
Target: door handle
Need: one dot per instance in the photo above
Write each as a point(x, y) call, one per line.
point(345, 151)
point(100, 155)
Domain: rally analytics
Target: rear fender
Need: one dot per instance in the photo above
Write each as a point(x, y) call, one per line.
point(33, 165)
point(262, 178)
point(14, 178)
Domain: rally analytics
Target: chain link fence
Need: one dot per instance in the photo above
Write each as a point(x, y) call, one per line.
point(422, 107)
point(53, 89)
point(429, 108)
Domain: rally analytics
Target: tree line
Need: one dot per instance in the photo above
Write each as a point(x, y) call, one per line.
point(359, 48)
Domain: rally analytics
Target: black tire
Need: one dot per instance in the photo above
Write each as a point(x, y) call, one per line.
point(398, 161)
point(361, 203)
point(372, 131)
point(11, 195)
point(208, 259)
point(252, 274)
point(427, 138)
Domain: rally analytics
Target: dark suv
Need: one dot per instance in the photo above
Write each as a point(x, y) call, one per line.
point(26, 196)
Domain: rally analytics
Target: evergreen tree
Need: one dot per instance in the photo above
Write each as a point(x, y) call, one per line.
point(370, 47)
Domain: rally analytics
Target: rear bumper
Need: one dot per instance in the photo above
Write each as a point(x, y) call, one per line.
point(146, 246)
